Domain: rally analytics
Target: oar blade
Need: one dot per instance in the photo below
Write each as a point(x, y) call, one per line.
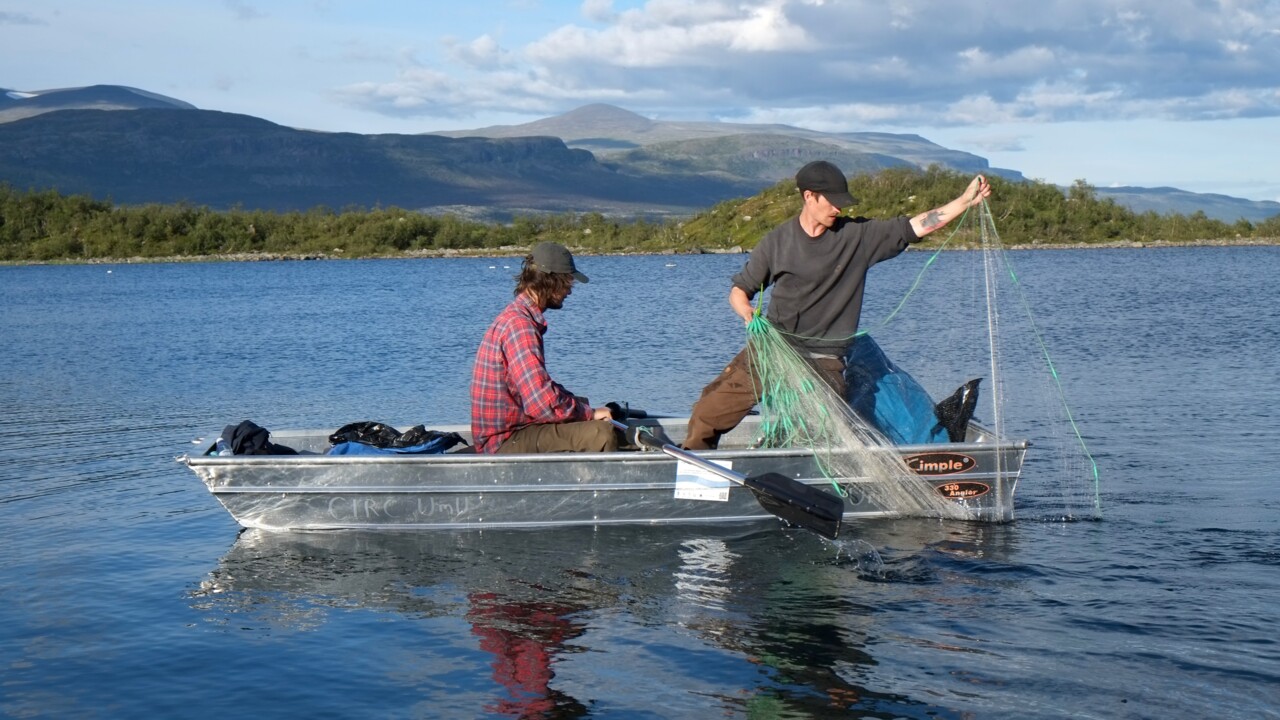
point(798, 503)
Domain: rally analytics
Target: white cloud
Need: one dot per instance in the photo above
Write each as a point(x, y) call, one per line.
point(767, 29)
point(1020, 62)
point(483, 53)
point(644, 45)
point(980, 110)
point(1044, 100)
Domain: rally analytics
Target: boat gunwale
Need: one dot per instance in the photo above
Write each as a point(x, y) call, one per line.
point(623, 456)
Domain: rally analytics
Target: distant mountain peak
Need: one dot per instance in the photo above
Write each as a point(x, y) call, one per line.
point(18, 104)
point(603, 116)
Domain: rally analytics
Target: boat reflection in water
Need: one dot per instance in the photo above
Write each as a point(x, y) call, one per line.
point(543, 623)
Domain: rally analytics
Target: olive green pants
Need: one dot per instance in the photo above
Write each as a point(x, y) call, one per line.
point(584, 436)
point(728, 398)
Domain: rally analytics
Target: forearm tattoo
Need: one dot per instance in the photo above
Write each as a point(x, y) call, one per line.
point(933, 219)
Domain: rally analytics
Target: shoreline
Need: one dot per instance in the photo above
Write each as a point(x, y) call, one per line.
point(517, 251)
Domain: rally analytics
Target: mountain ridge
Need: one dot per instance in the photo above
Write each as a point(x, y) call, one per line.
point(224, 159)
point(625, 131)
point(595, 158)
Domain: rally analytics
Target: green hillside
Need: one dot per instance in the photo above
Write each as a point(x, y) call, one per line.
point(46, 226)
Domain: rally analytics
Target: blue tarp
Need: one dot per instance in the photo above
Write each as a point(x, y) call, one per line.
point(888, 397)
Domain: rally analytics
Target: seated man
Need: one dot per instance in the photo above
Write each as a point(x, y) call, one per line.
point(515, 405)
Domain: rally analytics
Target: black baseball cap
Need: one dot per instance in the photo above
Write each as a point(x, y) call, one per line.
point(826, 179)
point(552, 257)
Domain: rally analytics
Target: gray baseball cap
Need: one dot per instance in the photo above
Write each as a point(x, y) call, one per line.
point(552, 257)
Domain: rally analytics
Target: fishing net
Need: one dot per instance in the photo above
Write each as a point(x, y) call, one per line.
point(1028, 396)
point(961, 320)
point(799, 409)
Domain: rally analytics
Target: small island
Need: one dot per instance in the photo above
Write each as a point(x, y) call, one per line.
point(44, 226)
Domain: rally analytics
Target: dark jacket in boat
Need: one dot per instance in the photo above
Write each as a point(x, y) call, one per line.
point(248, 438)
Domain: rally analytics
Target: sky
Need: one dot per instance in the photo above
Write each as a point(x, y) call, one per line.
point(1180, 93)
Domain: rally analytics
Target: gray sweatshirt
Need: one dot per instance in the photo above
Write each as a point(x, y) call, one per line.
point(818, 282)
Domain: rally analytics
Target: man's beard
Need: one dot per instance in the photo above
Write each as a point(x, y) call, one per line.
point(556, 301)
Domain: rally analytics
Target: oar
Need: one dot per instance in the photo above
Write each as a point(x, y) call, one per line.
point(789, 499)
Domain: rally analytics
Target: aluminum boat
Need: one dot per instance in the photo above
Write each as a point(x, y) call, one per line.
point(461, 489)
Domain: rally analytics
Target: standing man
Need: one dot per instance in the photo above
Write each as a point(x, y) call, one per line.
point(817, 264)
point(515, 405)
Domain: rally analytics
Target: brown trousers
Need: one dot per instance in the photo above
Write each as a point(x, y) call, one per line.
point(584, 436)
point(728, 398)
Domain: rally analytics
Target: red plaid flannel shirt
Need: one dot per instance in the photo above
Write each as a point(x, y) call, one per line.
point(510, 387)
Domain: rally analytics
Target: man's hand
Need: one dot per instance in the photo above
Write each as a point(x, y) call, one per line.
point(741, 304)
point(927, 222)
point(978, 190)
point(602, 413)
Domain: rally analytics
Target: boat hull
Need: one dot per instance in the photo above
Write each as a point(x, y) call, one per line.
point(313, 491)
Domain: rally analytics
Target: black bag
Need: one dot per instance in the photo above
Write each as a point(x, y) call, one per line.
point(380, 435)
point(420, 436)
point(367, 432)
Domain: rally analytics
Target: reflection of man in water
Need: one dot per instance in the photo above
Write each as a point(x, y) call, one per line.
point(524, 637)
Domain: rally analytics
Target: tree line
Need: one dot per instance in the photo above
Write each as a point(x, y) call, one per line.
point(46, 226)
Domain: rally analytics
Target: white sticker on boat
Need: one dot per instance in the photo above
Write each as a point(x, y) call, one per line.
point(694, 483)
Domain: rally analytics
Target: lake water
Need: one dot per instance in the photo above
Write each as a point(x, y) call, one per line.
point(128, 592)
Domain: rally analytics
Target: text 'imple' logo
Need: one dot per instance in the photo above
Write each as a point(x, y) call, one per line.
point(940, 463)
